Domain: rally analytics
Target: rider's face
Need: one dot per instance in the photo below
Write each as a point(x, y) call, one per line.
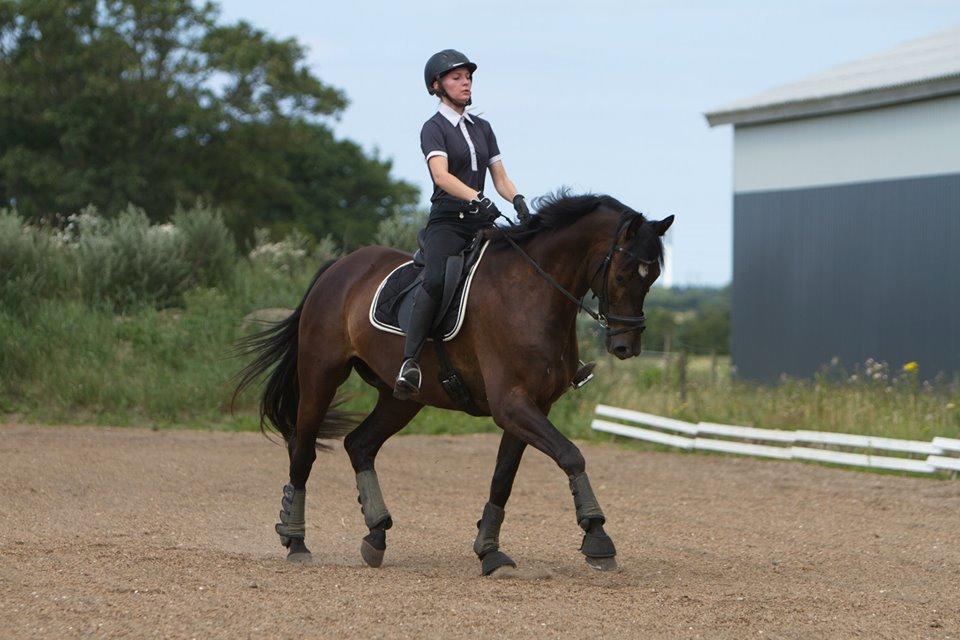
point(458, 84)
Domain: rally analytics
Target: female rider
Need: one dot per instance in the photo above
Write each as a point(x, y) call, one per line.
point(459, 148)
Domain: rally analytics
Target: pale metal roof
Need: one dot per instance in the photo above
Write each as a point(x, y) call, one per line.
point(915, 70)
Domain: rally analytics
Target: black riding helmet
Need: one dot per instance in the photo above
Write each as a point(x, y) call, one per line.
point(442, 63)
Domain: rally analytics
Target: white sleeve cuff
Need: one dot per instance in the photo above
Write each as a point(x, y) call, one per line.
point(435, 153)
point(495, 158)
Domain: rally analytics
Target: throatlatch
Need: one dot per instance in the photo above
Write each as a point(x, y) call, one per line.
point(487, 544)
point(292, 516)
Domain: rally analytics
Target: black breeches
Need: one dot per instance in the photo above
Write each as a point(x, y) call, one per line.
point(442, 239)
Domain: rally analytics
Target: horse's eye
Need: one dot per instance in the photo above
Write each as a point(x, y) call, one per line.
point(619, 278)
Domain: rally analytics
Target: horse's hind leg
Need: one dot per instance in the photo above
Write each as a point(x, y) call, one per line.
point(362, 444)
point(487, 544)
point(318, 386)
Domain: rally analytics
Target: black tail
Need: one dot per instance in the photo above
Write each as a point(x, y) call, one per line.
point(277, 344)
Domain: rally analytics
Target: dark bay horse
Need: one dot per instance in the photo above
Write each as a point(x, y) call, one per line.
point(517, 352)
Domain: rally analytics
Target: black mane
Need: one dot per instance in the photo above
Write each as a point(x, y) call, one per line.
point(558, 210)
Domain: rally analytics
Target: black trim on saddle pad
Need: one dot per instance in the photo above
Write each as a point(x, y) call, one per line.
point(390, 308)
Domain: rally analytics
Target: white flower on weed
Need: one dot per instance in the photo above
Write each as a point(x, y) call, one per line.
point(163, 231)
point(61, 238)
point(875, 370)
point(277, 251)
point(85, 220)
point(280, 256)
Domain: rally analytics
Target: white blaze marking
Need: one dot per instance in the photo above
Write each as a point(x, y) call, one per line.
point(642, 270)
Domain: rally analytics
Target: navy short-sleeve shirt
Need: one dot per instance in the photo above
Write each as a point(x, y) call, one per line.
point(466, 141)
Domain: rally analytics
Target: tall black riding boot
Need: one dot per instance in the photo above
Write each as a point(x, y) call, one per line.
point(421, 320)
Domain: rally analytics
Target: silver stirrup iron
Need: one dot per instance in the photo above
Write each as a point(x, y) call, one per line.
point(583, 375)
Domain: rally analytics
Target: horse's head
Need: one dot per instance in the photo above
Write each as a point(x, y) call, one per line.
point(623, 279)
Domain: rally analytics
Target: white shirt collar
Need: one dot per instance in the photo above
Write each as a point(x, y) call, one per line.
point(452, 116)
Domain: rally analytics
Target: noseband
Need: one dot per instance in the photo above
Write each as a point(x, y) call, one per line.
point(602, 315)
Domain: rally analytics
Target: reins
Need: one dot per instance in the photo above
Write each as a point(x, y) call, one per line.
point(601, 315)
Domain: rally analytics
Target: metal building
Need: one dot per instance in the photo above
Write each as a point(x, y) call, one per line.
point(846, 215)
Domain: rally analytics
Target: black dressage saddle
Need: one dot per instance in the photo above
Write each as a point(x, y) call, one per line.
point(390, 309)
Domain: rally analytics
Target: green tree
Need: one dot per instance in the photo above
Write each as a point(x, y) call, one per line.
point(154, 102)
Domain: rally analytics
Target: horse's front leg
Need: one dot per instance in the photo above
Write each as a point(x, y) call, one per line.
point(487, 544)
point(516, 413)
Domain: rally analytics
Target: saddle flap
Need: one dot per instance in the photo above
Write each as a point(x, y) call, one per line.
point(393, 301)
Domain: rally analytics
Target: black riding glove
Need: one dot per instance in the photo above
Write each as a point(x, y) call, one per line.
point(520, 206)
point(484, 207)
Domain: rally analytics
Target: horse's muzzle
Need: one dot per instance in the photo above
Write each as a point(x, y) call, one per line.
point(623, 351)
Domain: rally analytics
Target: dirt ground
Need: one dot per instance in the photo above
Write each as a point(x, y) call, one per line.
point(137, 533)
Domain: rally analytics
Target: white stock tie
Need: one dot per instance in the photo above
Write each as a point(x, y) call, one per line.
point(473, 150)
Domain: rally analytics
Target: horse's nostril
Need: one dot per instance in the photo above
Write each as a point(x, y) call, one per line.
point(621, 351)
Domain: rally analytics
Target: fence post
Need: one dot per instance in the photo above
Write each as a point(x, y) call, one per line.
point(682, 374)
point(666, 352)
point(713, 368)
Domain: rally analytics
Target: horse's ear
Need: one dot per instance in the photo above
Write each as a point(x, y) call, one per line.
point(662, 225)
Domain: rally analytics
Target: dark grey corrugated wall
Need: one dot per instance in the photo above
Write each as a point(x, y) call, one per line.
point(853, 271)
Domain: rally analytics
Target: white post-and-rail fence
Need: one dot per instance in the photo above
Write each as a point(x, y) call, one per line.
point(665, 431)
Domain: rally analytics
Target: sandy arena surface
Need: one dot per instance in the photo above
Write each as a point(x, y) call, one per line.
point(138, 533)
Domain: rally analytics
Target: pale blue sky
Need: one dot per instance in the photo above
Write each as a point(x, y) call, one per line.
point(601, 96)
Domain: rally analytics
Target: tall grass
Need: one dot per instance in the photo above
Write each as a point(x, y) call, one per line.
point(894, 404)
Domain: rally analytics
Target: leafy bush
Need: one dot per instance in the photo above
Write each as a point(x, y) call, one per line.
point(127, 263)
point(400, 230)
point(116, 264)
point(207, 244)
point(291, 254)
point(33, 263)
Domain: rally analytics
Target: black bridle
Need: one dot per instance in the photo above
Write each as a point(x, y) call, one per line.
point(602, 315)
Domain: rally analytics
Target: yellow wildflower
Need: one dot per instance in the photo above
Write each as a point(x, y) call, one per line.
point(911, 367)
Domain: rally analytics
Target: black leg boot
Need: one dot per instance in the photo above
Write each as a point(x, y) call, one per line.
point(421, 320)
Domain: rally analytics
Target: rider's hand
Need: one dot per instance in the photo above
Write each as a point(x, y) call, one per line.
point(520, 206)
point(485, 207)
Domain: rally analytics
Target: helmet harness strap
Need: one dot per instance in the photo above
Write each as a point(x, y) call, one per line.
point(443, 94)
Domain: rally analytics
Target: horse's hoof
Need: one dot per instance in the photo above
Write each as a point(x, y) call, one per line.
point(300, 557)
point(370, 554)
point(602, 564)
point(297, 551)
point(496, 560)
point(505, 572)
